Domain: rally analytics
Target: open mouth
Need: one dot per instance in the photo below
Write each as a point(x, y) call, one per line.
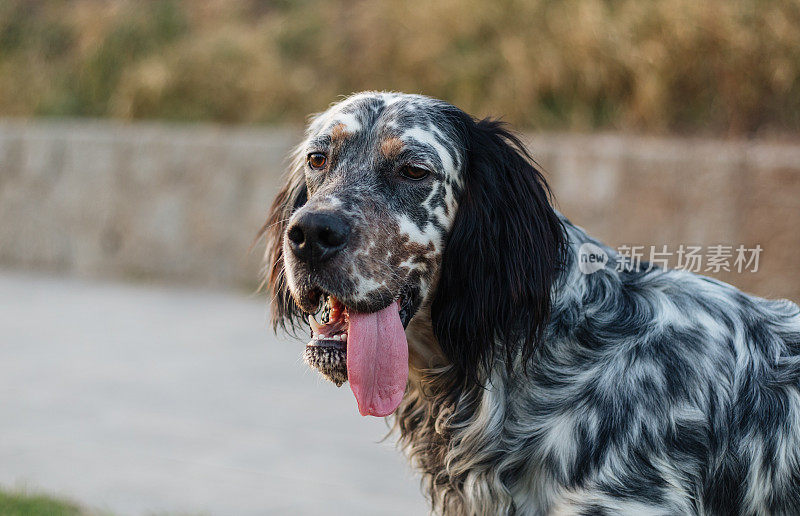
point(327, 351)
point(368, 349)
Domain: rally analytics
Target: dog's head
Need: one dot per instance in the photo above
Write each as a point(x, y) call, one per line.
point(396, 202)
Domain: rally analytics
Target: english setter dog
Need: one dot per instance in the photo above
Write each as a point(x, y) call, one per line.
point(421, 246)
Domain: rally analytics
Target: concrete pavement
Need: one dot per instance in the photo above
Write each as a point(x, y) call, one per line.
point(140, 400)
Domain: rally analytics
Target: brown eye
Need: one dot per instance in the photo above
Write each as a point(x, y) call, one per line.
point(415, 173)
point(317, 160)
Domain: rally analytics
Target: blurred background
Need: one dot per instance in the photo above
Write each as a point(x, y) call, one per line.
point(142, 142)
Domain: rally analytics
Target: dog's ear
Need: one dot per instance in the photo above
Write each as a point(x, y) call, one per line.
point(501, 258)
point(293, 195)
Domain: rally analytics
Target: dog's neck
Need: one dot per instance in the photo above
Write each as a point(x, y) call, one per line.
point(432, 419)
point(451, 430)
point(424, 352)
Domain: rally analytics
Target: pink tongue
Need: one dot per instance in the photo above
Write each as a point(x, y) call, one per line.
point(377, 360)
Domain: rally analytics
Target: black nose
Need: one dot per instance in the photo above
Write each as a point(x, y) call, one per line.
point(315, 237)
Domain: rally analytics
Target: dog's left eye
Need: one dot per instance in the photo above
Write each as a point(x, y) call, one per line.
point(317, 160)
point(415, 173)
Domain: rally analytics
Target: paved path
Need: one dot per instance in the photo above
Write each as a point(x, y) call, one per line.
point(141, 399)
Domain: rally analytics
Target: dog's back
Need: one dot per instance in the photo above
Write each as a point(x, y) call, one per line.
point(656, 392)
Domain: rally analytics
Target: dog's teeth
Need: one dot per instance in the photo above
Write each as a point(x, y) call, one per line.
point(315, 326)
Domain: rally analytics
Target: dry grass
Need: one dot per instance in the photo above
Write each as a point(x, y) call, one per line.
point(727, 67)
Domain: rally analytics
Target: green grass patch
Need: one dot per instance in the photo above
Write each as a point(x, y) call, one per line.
point(33, 504)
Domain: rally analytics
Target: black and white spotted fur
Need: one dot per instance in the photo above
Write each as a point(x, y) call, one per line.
point(535, 388)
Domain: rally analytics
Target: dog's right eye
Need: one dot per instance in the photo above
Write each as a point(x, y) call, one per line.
point(414, 173)
point(317, 160)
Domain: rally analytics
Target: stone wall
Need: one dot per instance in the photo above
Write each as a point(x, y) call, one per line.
point(645, 191)
point(183, 203)
point(137, 201)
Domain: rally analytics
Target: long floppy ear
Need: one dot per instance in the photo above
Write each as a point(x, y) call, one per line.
point(292, 196)
point(501, 259)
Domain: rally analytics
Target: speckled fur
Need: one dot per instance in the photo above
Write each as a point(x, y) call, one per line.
point(534, 388)
point(330, 362)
